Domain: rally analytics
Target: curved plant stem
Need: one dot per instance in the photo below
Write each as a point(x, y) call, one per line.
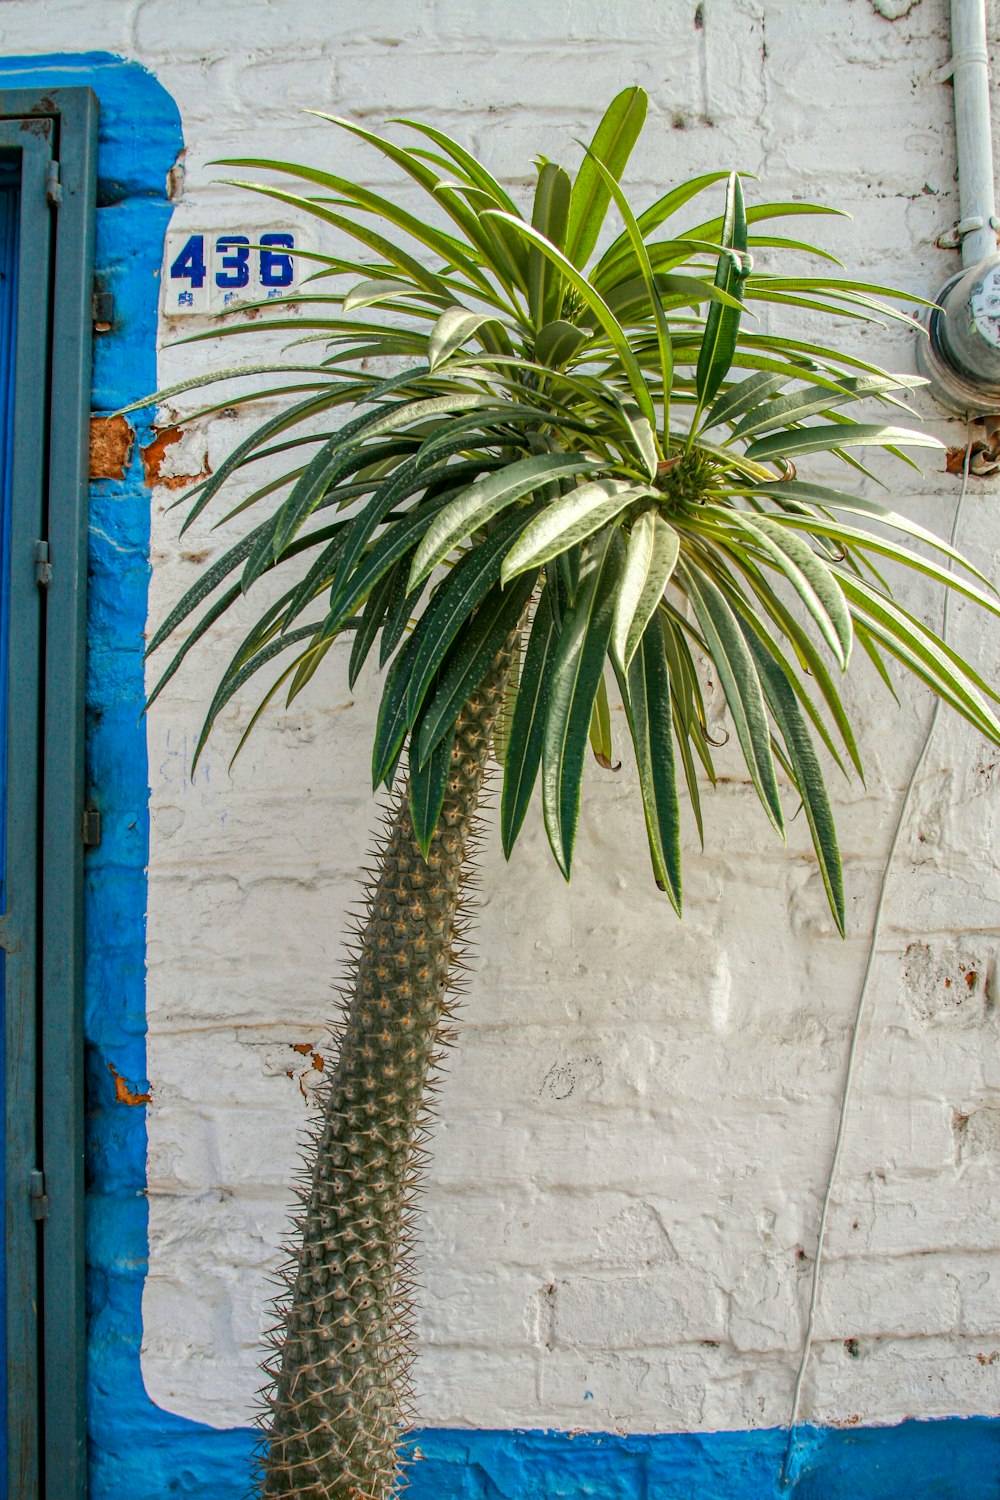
point(340, 1393)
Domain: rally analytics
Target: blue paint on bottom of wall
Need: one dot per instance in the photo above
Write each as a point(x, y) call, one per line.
point(137, 1449)
point(949, 1459)
point(943, 1460)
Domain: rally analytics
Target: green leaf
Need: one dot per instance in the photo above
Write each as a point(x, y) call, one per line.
point(473, 169)
point(428, 783)
point(641, 433)
point(485, 499)
point(371, 623)
point(740, 684)
point(688, 713)
point(663, 342)
point(569, 520)
point(409, 265)
point(631, 301)
point(549, 217)
point(524, 744)
point(745, 395)
point(408, 413)
point(394, 543)
point(596, 304)
point(452, 250)
point(205, 585)
point(556, 343)
point(808, 774)
point(391, 726)
point(650, 219)
point(238, 674)
point(758, 212)
point(472, 656)
point(722, 325)
point(232, 372)
point(335, 460)
point(453, 327)
point(866, 541)
point(751, 620)
point(454, 601)
point(578, 670)
point(401, 607)
point(653, 549)
point(244, 452)
point(800, 491)
point(612, 144)
point(798, 405)
point(453, 202)
point(805, 651)
point(317, 576)
point(489, 422)
point(811, 578)
point(647, 698)
point(402, 482)
point(375, 291)
point(213, 613)
point(406, 479)
point(921, 651)
point(875, 657)
point(600, 729)
point(821, 439)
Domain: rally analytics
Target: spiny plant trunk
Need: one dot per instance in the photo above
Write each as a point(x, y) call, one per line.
point(340, 1393)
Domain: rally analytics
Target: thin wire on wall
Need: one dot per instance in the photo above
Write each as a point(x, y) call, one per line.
point(786, 1467)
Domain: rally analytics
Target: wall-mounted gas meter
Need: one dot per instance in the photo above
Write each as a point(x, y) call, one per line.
point(961, 356)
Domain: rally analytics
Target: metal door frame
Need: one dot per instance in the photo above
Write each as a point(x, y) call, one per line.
point(56, 132)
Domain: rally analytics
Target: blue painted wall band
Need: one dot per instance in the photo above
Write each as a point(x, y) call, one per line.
point(137, 1449)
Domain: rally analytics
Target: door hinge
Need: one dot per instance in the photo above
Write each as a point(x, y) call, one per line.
point(91, 827)
point(43, 568)
point(102, 309)
point(37, 1195)
point(53, 187)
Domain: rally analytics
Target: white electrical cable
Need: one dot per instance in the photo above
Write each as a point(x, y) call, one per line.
point(859, 1014)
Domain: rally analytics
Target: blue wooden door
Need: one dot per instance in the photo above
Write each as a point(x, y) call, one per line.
point(26, 186)
point(48, 144)
point(8, 328)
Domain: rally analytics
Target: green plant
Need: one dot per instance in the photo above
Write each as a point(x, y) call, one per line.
point(607, 477)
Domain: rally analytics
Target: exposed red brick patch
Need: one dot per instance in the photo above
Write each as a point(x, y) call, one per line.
point(124, 1094)
point(110, 447)
point(152, 461)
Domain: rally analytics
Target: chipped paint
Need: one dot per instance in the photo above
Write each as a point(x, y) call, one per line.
point(124, 1093)
point(160, 458)
point(111, 440)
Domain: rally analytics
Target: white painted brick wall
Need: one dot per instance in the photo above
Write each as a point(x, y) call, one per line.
point(637, 1122)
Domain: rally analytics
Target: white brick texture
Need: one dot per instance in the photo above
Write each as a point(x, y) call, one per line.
point(637, 1122)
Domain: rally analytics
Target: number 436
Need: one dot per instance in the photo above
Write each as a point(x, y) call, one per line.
point(202, 277)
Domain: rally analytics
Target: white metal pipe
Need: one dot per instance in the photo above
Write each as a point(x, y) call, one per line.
point(973, 130)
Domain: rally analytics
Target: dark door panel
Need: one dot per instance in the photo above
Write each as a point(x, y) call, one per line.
point(46, 215)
